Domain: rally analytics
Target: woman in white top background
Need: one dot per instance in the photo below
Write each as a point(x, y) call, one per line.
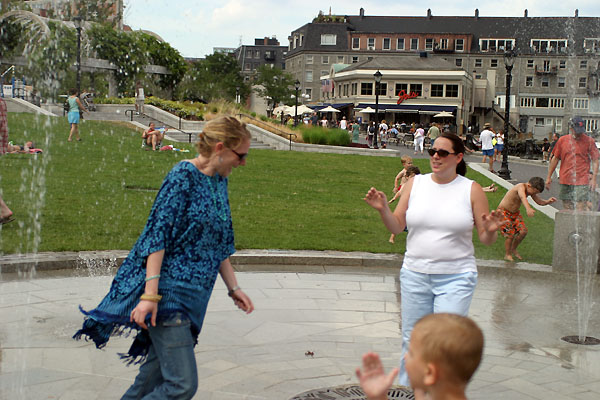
point(439, 273)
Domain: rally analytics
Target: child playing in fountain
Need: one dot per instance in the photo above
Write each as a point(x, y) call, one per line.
point(406, 162)
point(409, 172)
point(444, 352)
point(514, 229)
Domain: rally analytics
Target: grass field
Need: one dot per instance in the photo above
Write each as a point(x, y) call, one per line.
point(96, 195)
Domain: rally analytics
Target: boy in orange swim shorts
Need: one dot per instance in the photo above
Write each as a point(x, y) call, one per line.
point(514, 229)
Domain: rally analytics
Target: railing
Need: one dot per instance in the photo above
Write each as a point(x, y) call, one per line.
point(282, 132)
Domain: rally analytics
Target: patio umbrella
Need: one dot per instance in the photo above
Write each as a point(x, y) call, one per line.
point(329, 109)
point(444, 114)
point(304, 109)
point(367, 110)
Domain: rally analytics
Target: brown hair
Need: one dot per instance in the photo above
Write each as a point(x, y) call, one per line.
point(412, 170)
point(453, 342)
point(458, 147)
point(227, 129)
point(537, 183)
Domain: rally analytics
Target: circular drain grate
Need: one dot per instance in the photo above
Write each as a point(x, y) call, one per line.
point(351, 392)
point(588, 340)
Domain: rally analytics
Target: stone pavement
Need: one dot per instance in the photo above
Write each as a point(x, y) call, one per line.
point(335, 305)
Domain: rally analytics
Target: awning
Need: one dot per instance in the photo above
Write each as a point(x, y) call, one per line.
point(409, 108)
point(336, 106)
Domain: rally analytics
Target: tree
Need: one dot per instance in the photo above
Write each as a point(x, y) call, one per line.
point(216, 77)
point(276, 84)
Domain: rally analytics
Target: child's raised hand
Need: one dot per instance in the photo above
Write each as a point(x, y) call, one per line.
point(373, 380)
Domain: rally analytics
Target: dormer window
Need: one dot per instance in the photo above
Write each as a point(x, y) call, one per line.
point(328, 40)
point(496, 45)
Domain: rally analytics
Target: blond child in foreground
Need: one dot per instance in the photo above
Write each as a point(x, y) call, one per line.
point(514, 229)
point(445, 350)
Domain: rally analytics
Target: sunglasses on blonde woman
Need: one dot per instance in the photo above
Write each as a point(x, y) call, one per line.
point(442, 153)
point(242, 157)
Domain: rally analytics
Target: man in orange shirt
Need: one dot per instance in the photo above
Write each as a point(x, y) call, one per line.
point(577, 153)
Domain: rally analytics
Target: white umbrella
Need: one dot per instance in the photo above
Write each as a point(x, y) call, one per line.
point(304, 109)
point(444, 114)
point(329, 109)
point(367, 110)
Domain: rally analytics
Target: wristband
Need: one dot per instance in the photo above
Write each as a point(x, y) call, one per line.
point(155, 298)
point(152, 277)
point(232, 290)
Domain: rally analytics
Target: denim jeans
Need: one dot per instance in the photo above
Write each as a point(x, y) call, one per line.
point(423, 294)
point(169, 371)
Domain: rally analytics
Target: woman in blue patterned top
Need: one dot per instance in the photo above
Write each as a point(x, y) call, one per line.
point(163, 287)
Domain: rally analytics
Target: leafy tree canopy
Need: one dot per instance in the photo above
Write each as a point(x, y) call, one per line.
point(276, 84)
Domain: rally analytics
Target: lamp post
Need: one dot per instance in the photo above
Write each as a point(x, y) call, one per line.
point(377, 76)
point(78, 22)
point(509, 61)
point(237, 94)
point(297, 87)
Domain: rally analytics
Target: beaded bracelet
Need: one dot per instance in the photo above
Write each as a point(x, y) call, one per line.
point(232, 290)
point(155, 298)
point(152, 277)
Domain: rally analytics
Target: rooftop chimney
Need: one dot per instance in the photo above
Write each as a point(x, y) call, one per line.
point(525, 13)
point(477, 13)
point(576, 13)
point(429, 13)
point(362, 12)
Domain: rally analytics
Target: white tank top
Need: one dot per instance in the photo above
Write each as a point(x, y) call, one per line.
point(440, 227)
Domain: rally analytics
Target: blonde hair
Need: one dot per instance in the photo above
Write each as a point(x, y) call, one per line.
point(405, 159)
point(453, 342)
point(227, 129)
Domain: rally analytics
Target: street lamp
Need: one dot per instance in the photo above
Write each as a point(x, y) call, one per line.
point(377, 76)
point(237, 94)
point(509, 61)
point(297, 86)
point(77, 21)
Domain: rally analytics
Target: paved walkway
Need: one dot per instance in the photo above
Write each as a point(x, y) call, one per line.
point(335, 305)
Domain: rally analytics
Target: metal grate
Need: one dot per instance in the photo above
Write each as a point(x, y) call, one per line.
point(588, 340)
point(351, 392)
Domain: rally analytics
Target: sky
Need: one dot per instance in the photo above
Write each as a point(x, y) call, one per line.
point(195, 27)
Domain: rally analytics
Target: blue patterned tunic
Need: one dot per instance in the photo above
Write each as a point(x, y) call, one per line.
point(191, 221)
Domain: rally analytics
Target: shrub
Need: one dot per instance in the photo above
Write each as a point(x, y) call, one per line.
point(253, 114)
point(338, 137)
point(264, 118)
point(318, 135)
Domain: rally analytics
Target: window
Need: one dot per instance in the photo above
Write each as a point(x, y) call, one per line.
point(328, 40)
point(527, 102)
point(542, 102)
point(248, 53)
point(308, 93)
point(529, 81)
point(366, 88)
point(530, 64)
point(580, 104)
point(561, 82)
point(583, 64)
point(257, 54)
point(309, 76)
point(340, 59)
point(539, 121)
point(545, 82)
point(582, 82)
point(324, 59)
point(354, 89)
point(458, 62)
point(354, 59)
point(549, 45)
point(557, 103)
point(247, 66)
point(562, 64)
point(429, 44)
point(494, 63)
point(546, 66)
point(496, 45)
point(371, 44)
point(417, 88)
point(387, 43)
point(355, 43)
point(478, 62)
point(592, 124)
point(382, 89)
point(451, 90)
point(437, 90)
point(323, 73)
point(478, 76)
point(295, 41)
point(443, 44)
point(345, 91)
point(400, 87)
point(459, 45)
point(414, 44)
point(400, 44)
point(591, 45)
point(301, 40)
point(558, 124)
point(309, 59)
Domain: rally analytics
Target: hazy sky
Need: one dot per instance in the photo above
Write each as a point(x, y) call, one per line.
point(194, 27)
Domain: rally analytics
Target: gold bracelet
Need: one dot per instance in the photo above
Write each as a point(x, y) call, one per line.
point(155, 298)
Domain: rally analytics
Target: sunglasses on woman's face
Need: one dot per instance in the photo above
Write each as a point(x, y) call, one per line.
point(241, 157)
point(440, 152)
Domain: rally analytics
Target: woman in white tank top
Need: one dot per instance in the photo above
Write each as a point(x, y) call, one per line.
point(440, 209)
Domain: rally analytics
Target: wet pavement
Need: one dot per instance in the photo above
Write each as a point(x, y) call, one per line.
point(335, 305)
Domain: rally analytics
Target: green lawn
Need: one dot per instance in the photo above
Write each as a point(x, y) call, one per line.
point(96, 195)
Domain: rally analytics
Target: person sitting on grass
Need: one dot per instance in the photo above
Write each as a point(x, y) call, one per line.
point(152, 136)
point(445, 351)
point(514, 229)
point(16, 148)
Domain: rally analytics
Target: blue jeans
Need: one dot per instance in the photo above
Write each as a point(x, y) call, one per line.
point(169, 372)
point(424, 294)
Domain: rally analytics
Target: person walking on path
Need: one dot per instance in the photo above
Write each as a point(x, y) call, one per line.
point(499, 146)
point(419, 138)
point(433, 133)
point(355, 132)
point(74, 114)
point(139, 98)
point(514, 229)
point(163, 287)
point(487, 147)
point(578, 154)
point(443, 280)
